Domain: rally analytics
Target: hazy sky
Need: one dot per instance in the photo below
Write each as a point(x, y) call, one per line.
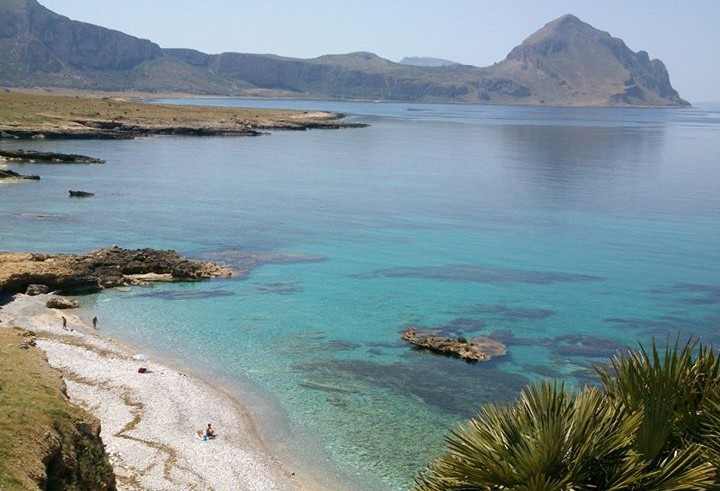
point(684, 35)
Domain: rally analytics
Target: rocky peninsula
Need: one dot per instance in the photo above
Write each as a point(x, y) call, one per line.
point(96, 270)
point(49, 115)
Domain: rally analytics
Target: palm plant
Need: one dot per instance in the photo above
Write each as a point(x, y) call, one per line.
point(655, 425)
point(677, 392)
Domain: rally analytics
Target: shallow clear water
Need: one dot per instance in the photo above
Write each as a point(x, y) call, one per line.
point(566, 233)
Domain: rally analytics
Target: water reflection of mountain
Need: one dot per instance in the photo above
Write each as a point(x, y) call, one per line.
point(581, 166)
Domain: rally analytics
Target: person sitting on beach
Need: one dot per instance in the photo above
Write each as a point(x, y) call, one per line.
point(209, 432)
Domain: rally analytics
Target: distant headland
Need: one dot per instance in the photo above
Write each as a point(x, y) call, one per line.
point(566, 62)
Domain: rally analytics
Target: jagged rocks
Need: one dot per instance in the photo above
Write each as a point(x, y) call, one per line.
point(55, 302)
point(477, 349)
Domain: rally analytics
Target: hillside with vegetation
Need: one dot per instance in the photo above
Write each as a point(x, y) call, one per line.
point(45, 442)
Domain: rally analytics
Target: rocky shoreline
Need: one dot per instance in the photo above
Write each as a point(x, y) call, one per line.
point(97, 270)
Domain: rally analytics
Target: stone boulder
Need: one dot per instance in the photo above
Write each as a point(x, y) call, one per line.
point(56, 302)
point(36, 289)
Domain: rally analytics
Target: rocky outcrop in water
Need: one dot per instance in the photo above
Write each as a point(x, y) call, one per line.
point(9, 174)
point(80, 194)
point(104, 268)
point(47, 157)
point(477, 349)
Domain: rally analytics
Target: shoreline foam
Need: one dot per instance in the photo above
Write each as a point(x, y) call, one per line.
point(149, 419)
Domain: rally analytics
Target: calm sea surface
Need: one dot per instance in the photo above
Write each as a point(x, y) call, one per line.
point(565, 233)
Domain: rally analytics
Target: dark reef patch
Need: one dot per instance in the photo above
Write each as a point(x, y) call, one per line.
point(185, 295)
point(511, 313)
point(479, 274)
point(247, 261)
point(543, 371)
point(697, 294)
point(586, 346)
point(573, 345)
point(281, 288)
point(507, 337)
point(440, 382)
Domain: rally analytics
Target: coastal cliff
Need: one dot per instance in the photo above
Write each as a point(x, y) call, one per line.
point(45, 441)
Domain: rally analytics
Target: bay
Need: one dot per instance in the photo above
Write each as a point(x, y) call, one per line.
point(566, 233)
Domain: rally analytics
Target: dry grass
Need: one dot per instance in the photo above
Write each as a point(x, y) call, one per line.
point(30, 400)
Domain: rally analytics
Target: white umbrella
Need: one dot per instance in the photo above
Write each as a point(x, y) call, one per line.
point(141, 357)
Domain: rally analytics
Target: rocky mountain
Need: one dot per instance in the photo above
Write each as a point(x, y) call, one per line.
point(571, 59)
point(567, 62)
point(426, 61)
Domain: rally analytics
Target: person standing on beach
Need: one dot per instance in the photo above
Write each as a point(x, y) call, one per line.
point(95, 322)
point(64, 322)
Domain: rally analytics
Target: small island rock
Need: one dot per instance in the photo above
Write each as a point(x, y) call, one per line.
point(480, 348)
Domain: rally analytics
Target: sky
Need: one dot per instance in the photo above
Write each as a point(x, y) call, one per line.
point(684, 35)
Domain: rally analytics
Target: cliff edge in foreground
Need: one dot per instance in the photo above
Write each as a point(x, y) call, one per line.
point(45, 442)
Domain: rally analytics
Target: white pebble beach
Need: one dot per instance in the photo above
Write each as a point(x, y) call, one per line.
point(149, 420)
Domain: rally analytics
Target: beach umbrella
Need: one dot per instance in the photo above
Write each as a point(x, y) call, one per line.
point(141, 357)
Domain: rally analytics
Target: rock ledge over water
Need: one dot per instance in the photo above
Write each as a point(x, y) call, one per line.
point(477, 349)
point(93, 271)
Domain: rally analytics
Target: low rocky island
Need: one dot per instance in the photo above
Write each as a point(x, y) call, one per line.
point(480, 348)
point(96, 270)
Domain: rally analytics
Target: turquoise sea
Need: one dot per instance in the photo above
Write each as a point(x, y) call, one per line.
point(565, 233)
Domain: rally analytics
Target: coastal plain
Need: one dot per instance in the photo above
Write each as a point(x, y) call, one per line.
point(50, 114)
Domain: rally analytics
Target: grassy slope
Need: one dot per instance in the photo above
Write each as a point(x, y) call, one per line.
point(36, 419)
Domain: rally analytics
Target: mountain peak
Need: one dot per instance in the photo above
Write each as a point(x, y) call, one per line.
point(566, 20)
point(567, 26)
point(574, 59)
